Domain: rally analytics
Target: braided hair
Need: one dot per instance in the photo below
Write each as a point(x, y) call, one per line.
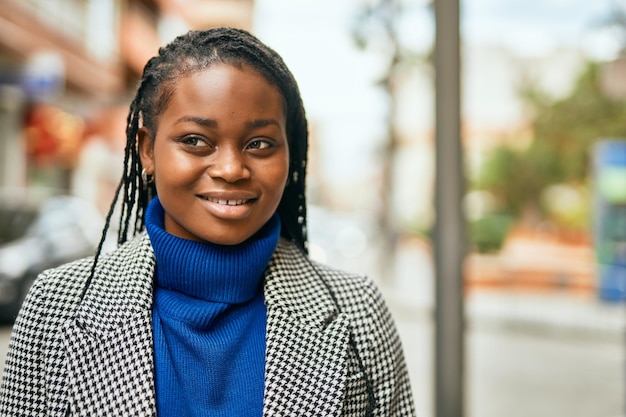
point(186, 55)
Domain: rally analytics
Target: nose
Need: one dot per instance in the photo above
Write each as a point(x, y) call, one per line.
point(229, 165)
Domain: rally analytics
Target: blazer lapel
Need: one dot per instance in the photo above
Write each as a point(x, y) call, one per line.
point(307, 340)
point(109, 345)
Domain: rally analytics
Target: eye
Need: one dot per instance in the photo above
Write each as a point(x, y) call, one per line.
point(259, 144)
point(194, 141)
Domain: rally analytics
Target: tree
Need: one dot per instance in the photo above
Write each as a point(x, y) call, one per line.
point(564, 131)
point(376, 28)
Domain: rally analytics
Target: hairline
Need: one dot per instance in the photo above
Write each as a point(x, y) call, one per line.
point(167, 87)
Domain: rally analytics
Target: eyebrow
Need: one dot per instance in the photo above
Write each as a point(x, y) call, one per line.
point(198, 120)
point(213, 123)
point(261, 123)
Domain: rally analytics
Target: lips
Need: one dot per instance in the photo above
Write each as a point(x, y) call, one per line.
point(228, 199)
point(227, 202)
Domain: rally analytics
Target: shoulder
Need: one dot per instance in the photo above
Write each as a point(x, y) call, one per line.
point(353, 294)
point(70, 276)
point(59, 289)
point(359, 297)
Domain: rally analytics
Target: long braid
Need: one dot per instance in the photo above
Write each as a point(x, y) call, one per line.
point(131, 132)
point(101, 243)
point(135, 191)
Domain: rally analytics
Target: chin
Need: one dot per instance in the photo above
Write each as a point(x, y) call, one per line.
point(227, 239)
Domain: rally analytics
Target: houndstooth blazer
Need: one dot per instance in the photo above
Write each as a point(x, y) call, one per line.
point(332, 348)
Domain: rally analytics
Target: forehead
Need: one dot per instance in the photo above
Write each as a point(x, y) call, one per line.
point(224, 84)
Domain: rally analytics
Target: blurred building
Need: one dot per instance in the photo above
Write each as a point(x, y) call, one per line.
point(62, 62)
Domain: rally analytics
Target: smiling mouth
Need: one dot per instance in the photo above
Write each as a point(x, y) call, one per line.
point(226, 202)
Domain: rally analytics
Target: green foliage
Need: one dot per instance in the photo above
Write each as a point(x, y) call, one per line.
point(488, 233)
point(510, 176)
point(565, 129)
point(563, 133)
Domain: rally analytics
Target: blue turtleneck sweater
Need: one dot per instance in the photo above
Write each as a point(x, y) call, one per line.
point(209, 321)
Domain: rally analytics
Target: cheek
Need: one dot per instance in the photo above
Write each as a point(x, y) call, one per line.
point(174, 166)
point(276, 180)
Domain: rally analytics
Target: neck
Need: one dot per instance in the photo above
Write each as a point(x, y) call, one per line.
point(221, 273)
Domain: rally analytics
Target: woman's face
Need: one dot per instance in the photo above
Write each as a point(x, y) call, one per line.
point(220, 158)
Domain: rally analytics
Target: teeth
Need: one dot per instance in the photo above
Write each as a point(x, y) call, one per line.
point(227, 202)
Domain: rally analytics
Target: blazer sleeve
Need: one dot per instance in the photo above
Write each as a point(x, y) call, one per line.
point(383, 356)
point(32, 380)
point(23, 387)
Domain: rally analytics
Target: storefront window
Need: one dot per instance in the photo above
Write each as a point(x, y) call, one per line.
point(90, 22)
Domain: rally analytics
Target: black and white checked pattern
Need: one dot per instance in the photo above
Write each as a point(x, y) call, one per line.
point(312, 309)
point(95, 357)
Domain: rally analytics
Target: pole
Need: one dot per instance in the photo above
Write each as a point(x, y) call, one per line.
point(449, 233)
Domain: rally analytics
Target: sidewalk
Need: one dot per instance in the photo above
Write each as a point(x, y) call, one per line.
point(548, 314)
point(553, 314)
point(530, 286)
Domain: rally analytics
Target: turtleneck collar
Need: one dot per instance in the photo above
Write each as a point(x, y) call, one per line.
point(204, 270)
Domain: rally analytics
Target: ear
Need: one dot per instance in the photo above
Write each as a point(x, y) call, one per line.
point(145, 146)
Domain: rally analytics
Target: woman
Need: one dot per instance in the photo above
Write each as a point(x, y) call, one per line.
point(215, 309)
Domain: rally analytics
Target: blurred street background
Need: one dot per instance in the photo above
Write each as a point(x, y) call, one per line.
point(544, 148)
